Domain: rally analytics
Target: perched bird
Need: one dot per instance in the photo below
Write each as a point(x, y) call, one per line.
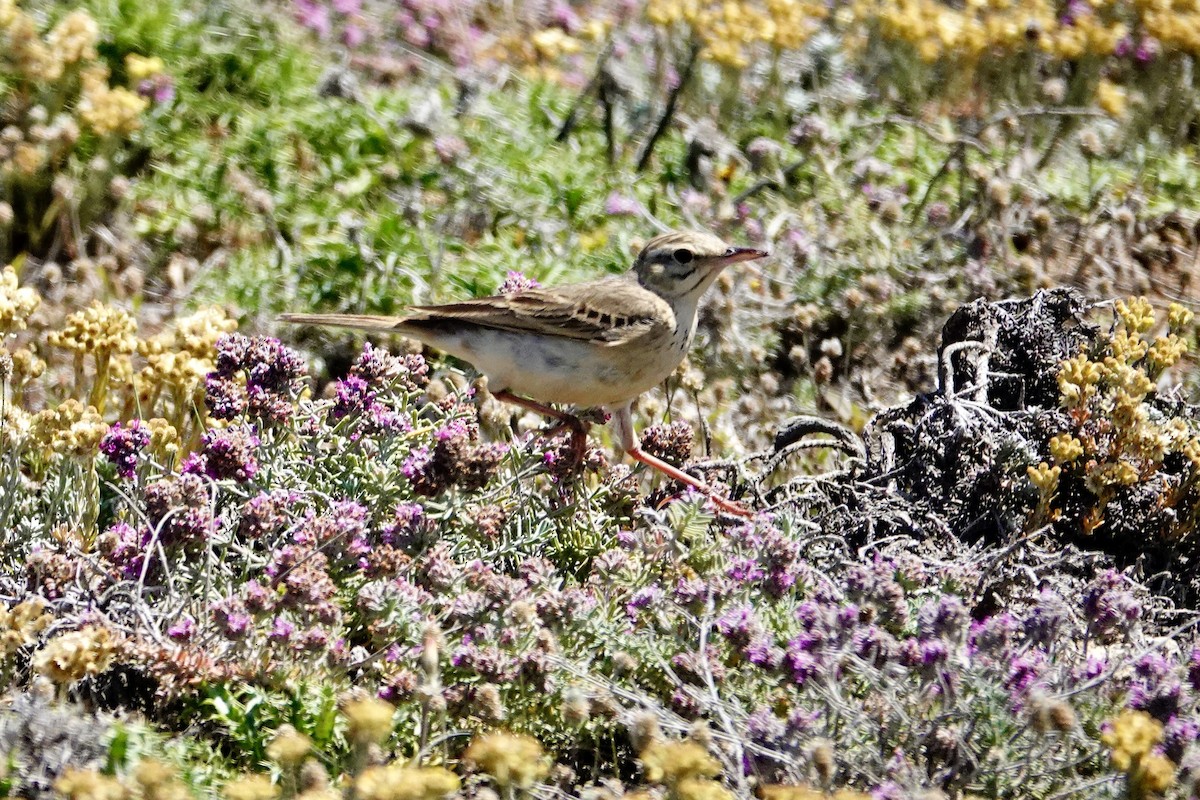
point(598, 343)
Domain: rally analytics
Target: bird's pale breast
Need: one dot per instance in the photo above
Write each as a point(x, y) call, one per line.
point(566, 370)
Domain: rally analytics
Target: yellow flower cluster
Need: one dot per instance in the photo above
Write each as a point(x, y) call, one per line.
point(1065, 448)
point(20, 625)
point(74, 38)
point(775, 791)
point(396, 782)
point(70, 428)
point(17, 303)
point(141, 67)
point(729, 28)
point(289, 748)
point(251, 787)
point(1175, 23)
point(1132, 738)
point(1134, 439)
point(369, 720)
point(965, 32)
point(512, 760)
point(88, 784)
point(178, 360)
point(97, 329)
point(109, 110)
point(75, 655)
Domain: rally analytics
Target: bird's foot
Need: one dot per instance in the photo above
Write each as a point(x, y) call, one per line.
point(731, 507)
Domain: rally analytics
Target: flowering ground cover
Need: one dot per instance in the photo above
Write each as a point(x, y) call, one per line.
point(248, 561)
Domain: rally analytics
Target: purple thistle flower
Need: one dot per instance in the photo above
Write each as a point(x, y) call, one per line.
point(122, 446)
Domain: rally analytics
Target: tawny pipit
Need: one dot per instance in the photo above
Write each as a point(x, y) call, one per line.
point(599, 343)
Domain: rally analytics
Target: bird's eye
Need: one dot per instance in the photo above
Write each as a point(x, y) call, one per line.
point(730, 251)
point(682, 255)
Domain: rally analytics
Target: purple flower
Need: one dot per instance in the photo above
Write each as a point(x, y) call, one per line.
point(352, 395)
point(125, 547)
point(122, 446)
point(229, 453)
point(159, 88)
point(1180, 733)
point(231, 618)
point(619, 205)
point(179, 511)
point(1123, 47)
point(739, 625)
point(281, 630)
point(993, 637)
point(1110, 606)
point(353, 35)
point(347, 7)
point(378, 367)
point(1147, 50)
point(516, 282)
point(643, 598)
point(800, 662)
point(1046, 618)
point(313, 16)
point(225, 397)
point(183, 630)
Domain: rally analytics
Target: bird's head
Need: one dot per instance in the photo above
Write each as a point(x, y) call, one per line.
point(682, 265)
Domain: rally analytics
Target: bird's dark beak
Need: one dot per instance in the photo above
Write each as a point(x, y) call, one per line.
point(736, 255)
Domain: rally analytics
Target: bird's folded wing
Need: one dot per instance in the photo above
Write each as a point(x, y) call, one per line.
point(606, 312)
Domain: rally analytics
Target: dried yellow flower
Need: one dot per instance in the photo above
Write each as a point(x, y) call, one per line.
point(74, 38)
point(71, 656)
point(21, 625)
point(289, 748)
point(1179, 317)
point(1111, 98)
point(511, 759)
point(107, 110)
point(97, 329)
point(1166, 351)
point(370, 720)
point(251, 787)
point(1136, 314)
point(1044, 477)
point(140, 67)
point(396, 782)
point(701, 789)
point(672, 762)
point(1077, 379)
point(1065, 448)
point(17, 303)
point(88, 784)
point(70, 428)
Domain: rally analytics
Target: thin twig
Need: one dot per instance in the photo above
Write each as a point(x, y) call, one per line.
point(669, 109)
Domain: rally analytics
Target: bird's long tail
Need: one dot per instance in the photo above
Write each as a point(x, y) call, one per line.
point(359, 321)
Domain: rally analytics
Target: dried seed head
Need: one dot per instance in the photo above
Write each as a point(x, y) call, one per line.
point(823, 762)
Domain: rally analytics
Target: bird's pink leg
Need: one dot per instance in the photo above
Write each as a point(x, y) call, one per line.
point(576, 425)
point(623, 427)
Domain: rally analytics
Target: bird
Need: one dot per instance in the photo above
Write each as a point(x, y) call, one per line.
point(600, 343)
